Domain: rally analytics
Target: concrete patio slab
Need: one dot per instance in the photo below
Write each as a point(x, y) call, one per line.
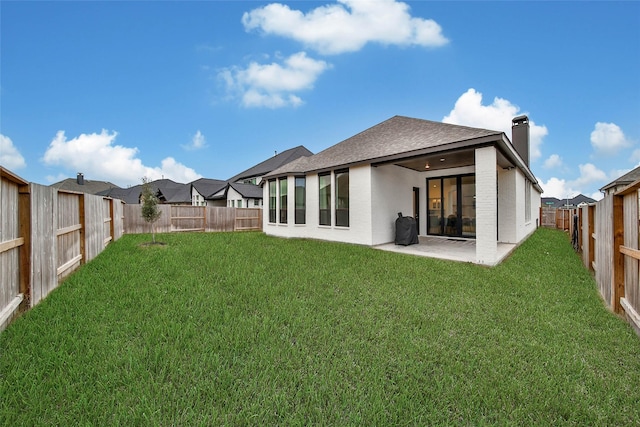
point(453, 249)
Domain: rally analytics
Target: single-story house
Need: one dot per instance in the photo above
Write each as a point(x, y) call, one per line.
point(167, 191)
point(244, 195)
point(568, 203)
point(203, 189)
point(82, 185)
point(458, 182)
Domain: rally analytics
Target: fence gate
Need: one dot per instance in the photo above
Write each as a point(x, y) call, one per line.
point(548, 217)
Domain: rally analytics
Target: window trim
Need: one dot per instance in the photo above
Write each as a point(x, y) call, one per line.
point(283, 199)
point(340, 211)
point(273, 197)
point(327, 210)
point(300, 215)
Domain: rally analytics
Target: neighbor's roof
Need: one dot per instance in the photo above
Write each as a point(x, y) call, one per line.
point(128, 195)
point(168, 191)
point(626, 179)
point(171, 191)
point(89, 186)
point(207, 187)
point(248, 191)
point(273, 163)
point(397, 135)
point(554, 202)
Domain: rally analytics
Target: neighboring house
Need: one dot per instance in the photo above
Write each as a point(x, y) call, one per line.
point(244, 195)
point(623, 181)
point(254, 174)
point(459, 182)
point(82, 185)
point(203, 189)
point(242, 190)
point(574, 202)
point(167, 191)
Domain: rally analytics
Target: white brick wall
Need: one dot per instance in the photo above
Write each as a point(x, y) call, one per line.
point(392, 193)
point(509, 198)
point(486, 205)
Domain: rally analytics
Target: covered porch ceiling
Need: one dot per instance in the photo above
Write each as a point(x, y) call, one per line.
point(446, 160)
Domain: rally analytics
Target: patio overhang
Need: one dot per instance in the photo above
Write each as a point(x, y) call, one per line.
point(457, 155)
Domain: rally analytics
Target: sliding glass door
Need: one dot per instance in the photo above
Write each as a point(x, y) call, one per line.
point(452, 206)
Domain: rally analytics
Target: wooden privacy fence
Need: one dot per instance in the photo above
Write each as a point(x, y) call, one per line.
point(557, 218)
point(609, 242)
point(45, 234)
point(193, 218)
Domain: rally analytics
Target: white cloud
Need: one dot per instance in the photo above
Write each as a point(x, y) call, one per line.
point(561, 188)
point(273, 85)
point(469, 111)
point(589, 174)
point(197, 142)
point(554, 161)
point(10, 157)
point(607, 139)
point(558, 188)
point(346, 26)
point(100, 159)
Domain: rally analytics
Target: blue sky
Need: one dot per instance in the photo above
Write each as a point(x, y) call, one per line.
point(182, 90)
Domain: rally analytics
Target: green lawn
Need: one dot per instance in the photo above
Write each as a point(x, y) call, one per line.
point(246, 329)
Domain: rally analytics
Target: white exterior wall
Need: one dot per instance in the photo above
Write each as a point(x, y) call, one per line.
point(197, 199)
point(513, 226)
point(233, 195)
point(510, 199)
point(525, 228)
point(486, 205)
point(392, 192)
point(359, 230)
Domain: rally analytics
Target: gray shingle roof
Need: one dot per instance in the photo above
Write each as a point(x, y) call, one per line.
point(208, 187)
point(397, 135)
point(554, 202)
point(168, 191)
point(626, 179)
point(89, 186)
point(273, 163)
point(128, 195)
point(248, 191)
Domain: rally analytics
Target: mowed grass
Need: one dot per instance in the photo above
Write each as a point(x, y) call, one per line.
point(247, 329)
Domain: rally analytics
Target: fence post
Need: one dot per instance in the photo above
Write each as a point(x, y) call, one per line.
point(83, 228)
point(591, 212)
point(24, 212)
point(112, 232)
point(618, 257)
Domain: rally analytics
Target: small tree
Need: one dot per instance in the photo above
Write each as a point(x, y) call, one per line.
point(150, 211)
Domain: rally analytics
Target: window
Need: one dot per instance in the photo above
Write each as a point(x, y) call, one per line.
point(232, 203)
point(283, 200)
point(527, 200)
point(342, 198)
point(255, 202)
point(272, 201)
point(300, 200)
point(325, 199)
point(240, 203)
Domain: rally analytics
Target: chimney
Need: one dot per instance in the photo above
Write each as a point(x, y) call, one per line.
point(520, 137)
point(80, 178)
